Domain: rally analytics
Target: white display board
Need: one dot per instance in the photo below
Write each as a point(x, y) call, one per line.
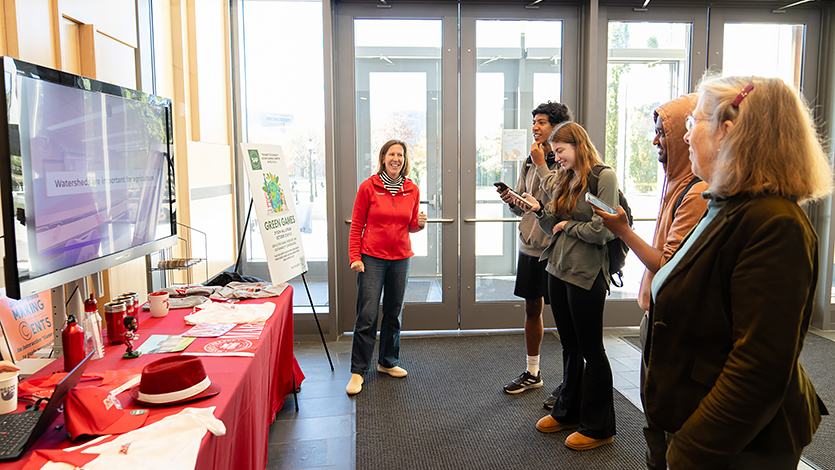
point(273, 199)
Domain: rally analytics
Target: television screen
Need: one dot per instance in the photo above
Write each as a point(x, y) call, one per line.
point(87, 176)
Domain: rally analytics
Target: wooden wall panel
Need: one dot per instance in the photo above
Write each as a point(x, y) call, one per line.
point(34, 35)
point(70, 46)
point(4, 27)
point(127, 277)
point(115, 61)
point(87, 49)
point(115, 18)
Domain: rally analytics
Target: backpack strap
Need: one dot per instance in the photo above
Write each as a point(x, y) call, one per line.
point(594, 177)
point(687, 189)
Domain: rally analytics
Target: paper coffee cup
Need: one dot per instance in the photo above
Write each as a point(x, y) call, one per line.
point(159, 303)
point(8, 392)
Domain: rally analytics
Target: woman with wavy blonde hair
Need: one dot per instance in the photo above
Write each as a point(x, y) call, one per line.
point(730, 310)
point(578, 268)
point(774, 148)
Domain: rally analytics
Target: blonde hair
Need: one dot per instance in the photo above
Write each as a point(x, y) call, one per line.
point(570, 183)
point(773, 147)
point(381, 165)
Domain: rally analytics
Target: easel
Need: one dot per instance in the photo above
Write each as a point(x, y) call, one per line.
point(309, 297)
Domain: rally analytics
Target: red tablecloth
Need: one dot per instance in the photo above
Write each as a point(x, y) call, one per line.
point(252, 389)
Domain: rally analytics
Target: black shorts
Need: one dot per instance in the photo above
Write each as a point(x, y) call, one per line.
point(531, 278)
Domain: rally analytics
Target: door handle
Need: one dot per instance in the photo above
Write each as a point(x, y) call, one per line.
point(428, 221)
point(492, 220)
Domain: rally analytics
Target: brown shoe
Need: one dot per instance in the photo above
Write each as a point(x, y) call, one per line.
point(549, 424)
point(578, 441)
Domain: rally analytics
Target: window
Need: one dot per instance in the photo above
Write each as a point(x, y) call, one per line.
point(648, 64)
point(283, 104)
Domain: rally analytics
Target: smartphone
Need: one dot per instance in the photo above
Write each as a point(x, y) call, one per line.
point(512, 193)
point(596, 202)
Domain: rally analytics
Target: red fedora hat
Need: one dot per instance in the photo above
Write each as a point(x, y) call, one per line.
point(173, 380)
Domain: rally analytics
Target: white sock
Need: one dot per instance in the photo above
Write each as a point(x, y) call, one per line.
point(533, 365)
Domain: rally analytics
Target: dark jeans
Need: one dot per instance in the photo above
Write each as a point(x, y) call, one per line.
point(386, 278)
point(586, 390)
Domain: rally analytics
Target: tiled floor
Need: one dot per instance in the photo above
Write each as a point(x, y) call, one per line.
point(321, 434)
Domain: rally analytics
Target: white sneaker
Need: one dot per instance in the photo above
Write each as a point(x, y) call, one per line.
point(355, 385)
point(392, 371)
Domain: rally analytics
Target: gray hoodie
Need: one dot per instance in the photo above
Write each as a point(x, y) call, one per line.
point(541, 184)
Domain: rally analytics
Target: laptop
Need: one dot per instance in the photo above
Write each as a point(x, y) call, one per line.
point(19, 431)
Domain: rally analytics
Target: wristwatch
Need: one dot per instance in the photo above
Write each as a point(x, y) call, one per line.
point(540, 212)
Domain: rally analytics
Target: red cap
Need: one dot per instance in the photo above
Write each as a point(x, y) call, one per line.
point(94, 411)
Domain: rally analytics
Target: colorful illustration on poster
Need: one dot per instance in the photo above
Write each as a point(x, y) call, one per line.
point(274, 194)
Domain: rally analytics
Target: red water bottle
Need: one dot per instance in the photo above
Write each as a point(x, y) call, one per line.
point(73, 340)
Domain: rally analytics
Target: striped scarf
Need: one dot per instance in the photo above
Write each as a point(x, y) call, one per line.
point(392, 185)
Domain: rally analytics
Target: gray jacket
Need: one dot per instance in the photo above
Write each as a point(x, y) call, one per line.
point(578, 253)
point(540, 183)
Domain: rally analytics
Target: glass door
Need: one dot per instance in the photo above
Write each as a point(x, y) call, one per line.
point(401, 63)
point(512, 59)
point(782, 43)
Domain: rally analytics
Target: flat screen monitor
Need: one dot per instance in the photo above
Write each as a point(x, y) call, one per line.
point(87, 176)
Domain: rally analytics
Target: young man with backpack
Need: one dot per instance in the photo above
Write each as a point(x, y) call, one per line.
point(681, 209)
point(536, 177)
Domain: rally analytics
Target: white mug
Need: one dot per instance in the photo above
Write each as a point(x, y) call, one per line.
point(159, 303)
point(8, 392)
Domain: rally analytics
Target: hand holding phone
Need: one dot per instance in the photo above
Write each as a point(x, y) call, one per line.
point(596, 202)
point(503, 187)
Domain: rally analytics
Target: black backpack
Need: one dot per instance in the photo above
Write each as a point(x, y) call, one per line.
point(617, 248)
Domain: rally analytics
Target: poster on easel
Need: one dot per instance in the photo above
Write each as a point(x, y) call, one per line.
point(270, 186)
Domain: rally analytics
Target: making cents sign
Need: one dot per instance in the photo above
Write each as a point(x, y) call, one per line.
point(272, 196)
point(27, 323)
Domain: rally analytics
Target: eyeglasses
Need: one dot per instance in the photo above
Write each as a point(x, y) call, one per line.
point(690, 122)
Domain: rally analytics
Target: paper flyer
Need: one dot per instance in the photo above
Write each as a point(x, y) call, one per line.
point(208, 330)
point(277, 220)
point(158, 344)
point(514, 144)
point(239, 341)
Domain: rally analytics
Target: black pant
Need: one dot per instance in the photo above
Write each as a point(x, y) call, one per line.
point(586, 389)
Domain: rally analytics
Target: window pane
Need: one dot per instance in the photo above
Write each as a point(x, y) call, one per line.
point(648, 64)
point(518, 67)
point(398, 88)
point(768, 50)
point(284, 107)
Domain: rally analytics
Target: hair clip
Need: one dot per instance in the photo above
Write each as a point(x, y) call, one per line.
point(742, 94)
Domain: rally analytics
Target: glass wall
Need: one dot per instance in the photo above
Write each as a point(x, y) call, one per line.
point(518, 66)
point(283, 104)
point(648, 64)
point(768, 50)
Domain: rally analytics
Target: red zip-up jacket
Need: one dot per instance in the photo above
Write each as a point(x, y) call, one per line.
point(381, 222)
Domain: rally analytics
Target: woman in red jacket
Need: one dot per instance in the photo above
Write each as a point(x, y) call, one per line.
point(385, 212)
